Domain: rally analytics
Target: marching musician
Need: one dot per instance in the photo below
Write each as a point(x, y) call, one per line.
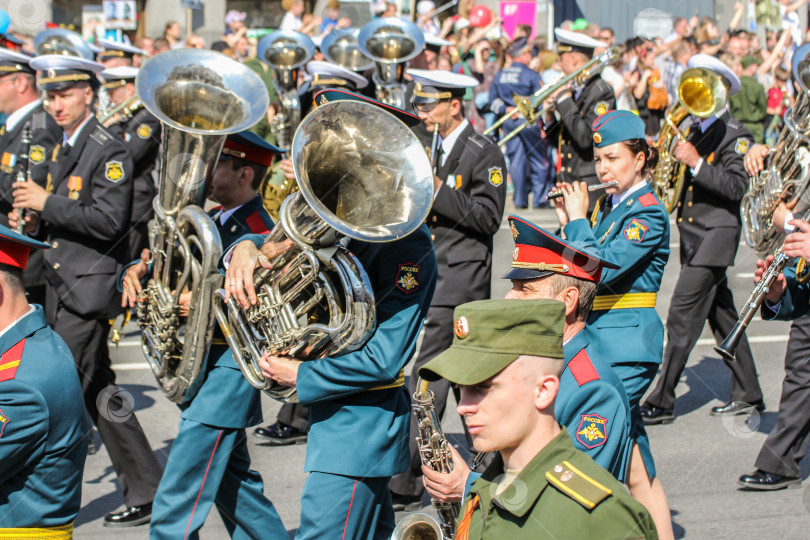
point(507, 357)
point(467, 210)
point(43, 425)
point(528, 151)
point(631, 227)
point(591, 402)
point(209, 462)
point(20, 101)
point(84, 213)
point(359, 406)
point(576, 109)
point(708, 219)
point(777, 465)
point(292, 422)
point(140, 131)
point(117, 54)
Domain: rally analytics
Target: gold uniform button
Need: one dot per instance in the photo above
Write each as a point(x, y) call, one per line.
point(689, 204)
point(690, 188)
point(570, 155)
point(679, 204)
point(434, 219)
point(680, 219)
point(569, 169)
point(55, 245)
point(690, 220)
point(56, 266)
point(433, 237)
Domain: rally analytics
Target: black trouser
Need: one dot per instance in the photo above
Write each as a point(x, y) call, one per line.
point(294, 415)
point(437, 338)
point(132, 458)
point(787, 443)
point(701, 294)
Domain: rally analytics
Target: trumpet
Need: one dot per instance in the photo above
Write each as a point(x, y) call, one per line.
point(558, 194)
point(728, 349)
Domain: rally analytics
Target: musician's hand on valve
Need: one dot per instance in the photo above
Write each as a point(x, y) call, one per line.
point(286, 165)
point(184, 302)
point(245, 258)
point(282, 369)
point(29, 195)
point(447, 487)
point(686, 153)
point(777, 289)
point(31, 221)
point(132, 280)
point(755, 159)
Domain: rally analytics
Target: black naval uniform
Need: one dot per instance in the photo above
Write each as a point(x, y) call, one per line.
point(467, 211)
point(572, 134)
point(45, 135)
point(141, 136)
point(709, 225)
point(86, 218)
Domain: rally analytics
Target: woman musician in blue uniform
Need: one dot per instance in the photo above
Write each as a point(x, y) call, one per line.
point(630, 227)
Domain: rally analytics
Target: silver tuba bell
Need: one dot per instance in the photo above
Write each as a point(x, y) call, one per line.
point(199, 97)
point(418, 526)
point(390, 43)
point(286, 51)
point(362, 174)
point(341, 47)
point(787, 173)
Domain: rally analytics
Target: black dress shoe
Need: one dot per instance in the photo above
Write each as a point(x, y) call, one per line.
point(132, 516)
point(280, 435)
point(406, 503)
point(652, 415)
point(91, 449)
point(765, 481)
point(733, 408)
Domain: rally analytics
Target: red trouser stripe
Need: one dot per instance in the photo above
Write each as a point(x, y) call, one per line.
point(216, 444)
point(346, 525)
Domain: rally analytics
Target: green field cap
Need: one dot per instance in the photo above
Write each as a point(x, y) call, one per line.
point(491, 334)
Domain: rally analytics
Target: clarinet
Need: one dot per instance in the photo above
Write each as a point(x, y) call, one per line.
point(434, 451)
point(24, 171)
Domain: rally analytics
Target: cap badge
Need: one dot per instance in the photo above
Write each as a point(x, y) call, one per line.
point(462, 327)
point(514, 230)
point(597, 138)
point(515, 254)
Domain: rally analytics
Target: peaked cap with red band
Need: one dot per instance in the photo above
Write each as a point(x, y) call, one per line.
point(538, 253)
point(15, 248)
point(247, 145)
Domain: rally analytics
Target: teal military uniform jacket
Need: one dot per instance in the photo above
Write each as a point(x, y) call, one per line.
point(355, 430)
point(561, 494)
point(794, 304)
point(592, 404)
point(43, 427)
point(635, 236)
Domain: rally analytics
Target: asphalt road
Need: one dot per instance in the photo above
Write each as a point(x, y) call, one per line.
point(698, 458)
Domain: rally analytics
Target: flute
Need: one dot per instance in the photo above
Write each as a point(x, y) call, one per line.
point(557, 194)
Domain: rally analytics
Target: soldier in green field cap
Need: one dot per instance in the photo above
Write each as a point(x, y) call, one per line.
point(507, 357)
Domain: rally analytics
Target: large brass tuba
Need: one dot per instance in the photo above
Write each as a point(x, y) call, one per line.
point(341, 47)
point(362, 174)
point(785, 178)
point(200, 97)
point(390, 43)
point(702, 94)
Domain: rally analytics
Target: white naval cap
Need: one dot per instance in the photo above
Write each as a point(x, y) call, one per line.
point(435, 43)
point(60, 71)
point(119, 76)
point(331, 75)
point(711, 63)
point(116, 49)
point(568, 41)
point(14, 62)
point(436, 84)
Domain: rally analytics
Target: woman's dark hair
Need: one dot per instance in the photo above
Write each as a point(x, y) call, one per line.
point(650, 154)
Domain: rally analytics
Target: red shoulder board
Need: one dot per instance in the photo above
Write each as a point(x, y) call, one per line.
point(582, 369)
point(648, 199)
point(256, 224)
point(10, 360)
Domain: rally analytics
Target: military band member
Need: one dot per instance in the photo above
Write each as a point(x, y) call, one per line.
point(708, 219)
point(20, 101)
point(43, 426)
point(117, 54)
point(359, 406)
point(631, 227)
point(529, 164)
point(209, 462)
point(576, 109)
point(539, 485)
point(84, 214)
point(292, 422)
point(467, 209)
point(140, 130)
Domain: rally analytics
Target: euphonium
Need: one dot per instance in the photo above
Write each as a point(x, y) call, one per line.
point(362, 174)
point(700, 93)
point(785, 178)
point(199, 97)
point(390, 43)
